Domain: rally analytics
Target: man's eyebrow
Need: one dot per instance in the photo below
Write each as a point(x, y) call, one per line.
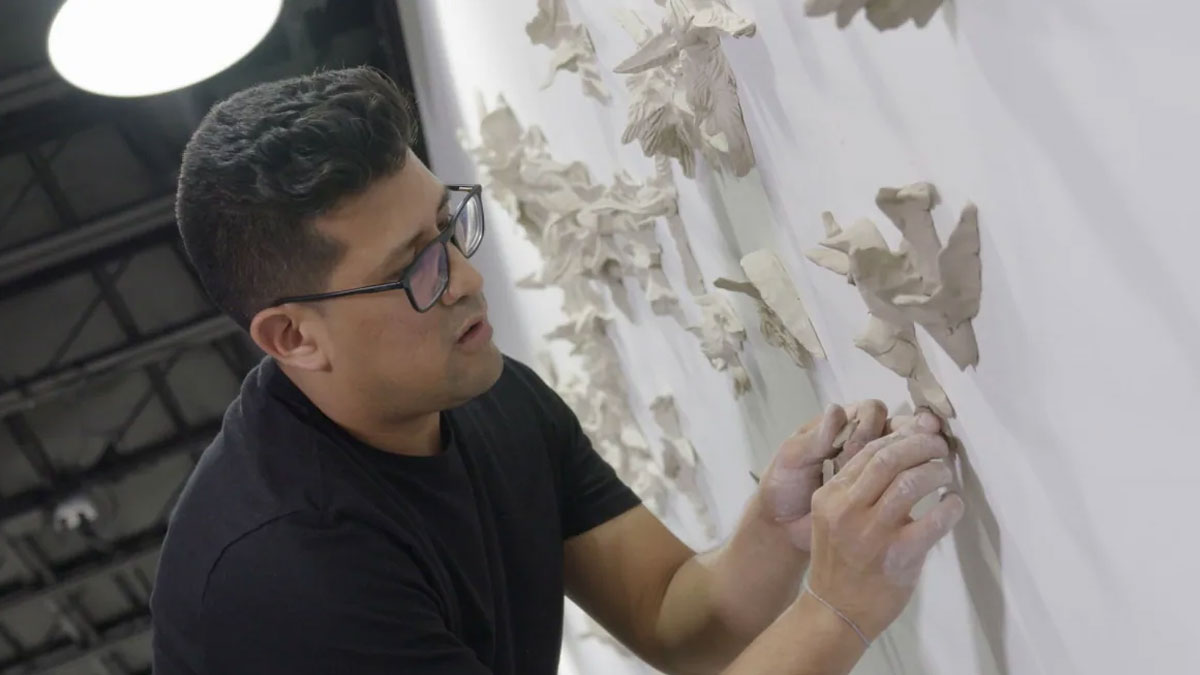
point(391, 263)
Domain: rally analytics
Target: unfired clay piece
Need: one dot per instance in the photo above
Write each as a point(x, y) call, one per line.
point(768, 274)
point(684, 95)
point(832, 260)
point(680, 461)
point(721, 336)
point(572, 45)
point(604, 233)
point(591, 236)
point(883, 14)
point(845, 434)
point(896, 348)
point(770, 324)
point(921, 282)
point(784, 321)
point(683, 245)
point(599, 399)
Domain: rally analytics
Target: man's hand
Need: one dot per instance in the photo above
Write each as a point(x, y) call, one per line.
point(867, 550)
point(794, 475)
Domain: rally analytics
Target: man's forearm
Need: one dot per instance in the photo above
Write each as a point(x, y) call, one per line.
point(718, 602)
point(807, 639)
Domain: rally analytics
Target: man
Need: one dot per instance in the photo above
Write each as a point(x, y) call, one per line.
point(389, 494)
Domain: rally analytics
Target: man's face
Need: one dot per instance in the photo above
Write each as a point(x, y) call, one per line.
point(380, 348)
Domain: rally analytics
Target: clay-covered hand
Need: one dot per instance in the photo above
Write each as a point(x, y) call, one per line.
point(787, 486)
point(867, 550)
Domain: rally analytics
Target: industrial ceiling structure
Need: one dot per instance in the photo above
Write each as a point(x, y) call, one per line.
point(115, 369)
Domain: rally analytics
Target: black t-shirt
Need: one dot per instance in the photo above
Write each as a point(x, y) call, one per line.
point(297, 550)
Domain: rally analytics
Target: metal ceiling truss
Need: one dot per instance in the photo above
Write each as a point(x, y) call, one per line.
point(39, 114)
point(78, 638)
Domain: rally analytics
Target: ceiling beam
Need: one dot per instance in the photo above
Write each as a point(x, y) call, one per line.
point(112, 467)
point(106, 282)
point(70, 245)
point(153, 348)
point(128, 551)
point(115, 635)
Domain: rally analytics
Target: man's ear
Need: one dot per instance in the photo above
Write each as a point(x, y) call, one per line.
point(292, 336)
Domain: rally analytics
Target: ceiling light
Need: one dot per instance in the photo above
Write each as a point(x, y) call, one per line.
point(144, 47)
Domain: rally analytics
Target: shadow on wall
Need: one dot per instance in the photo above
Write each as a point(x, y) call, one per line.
point(977, 535)
point(767, 117)
point(743, 215)
point(1029, 93)
point(1032, 424)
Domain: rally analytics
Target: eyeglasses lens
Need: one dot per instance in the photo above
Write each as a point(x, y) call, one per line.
point(468, 227)
point(429, 276)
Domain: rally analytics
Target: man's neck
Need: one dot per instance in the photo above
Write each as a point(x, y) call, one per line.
point(419, 436)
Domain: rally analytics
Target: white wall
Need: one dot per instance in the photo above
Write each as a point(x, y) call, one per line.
point(1073, 125)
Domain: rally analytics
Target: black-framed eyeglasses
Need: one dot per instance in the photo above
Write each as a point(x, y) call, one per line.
point(428, 277)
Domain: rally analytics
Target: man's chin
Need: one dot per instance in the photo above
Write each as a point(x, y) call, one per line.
point(496, 362)
point(486, 369)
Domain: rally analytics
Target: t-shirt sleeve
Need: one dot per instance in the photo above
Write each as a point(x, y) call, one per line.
point(302, 597)
point(591, 493)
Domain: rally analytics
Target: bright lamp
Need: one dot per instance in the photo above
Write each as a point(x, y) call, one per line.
point(143, 47)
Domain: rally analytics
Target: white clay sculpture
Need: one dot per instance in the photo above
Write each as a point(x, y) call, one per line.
point(721, 335)
point(684, 95)
point(922, 282)
point(571, 44)
point(784, 321)
point(680, 461)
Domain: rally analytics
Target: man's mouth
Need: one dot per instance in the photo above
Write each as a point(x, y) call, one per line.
point(471, 330)
point(474, 330)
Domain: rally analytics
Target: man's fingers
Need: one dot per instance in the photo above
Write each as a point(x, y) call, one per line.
point(831, 425)
point(910, 487)
point(923, 417)
point(918, 537)
point(924, 421)
point(870, 418)
point(808, 426)
point(807, 449)
point(890, 459)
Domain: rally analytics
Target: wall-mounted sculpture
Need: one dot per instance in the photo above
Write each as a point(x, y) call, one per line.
point(604, 233)
point(883, 14)
point(589, 236)
point(922, 282)
point(784, 321)
point(680, 462)
point(600, 399)
point(623, 216)
point(684, 95)
point(721, 335)
point(571, 44)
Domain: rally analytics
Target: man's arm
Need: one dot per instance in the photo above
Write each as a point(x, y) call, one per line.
point(739, 589)
point(680, 611)
point(689, 613)
point(685, 613)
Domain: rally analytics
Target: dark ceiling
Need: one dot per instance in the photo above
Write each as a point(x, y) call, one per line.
point(114, 368)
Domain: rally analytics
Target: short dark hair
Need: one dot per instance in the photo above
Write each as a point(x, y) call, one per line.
point(264, 163)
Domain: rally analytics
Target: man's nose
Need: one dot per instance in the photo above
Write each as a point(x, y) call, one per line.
point(465, 280)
